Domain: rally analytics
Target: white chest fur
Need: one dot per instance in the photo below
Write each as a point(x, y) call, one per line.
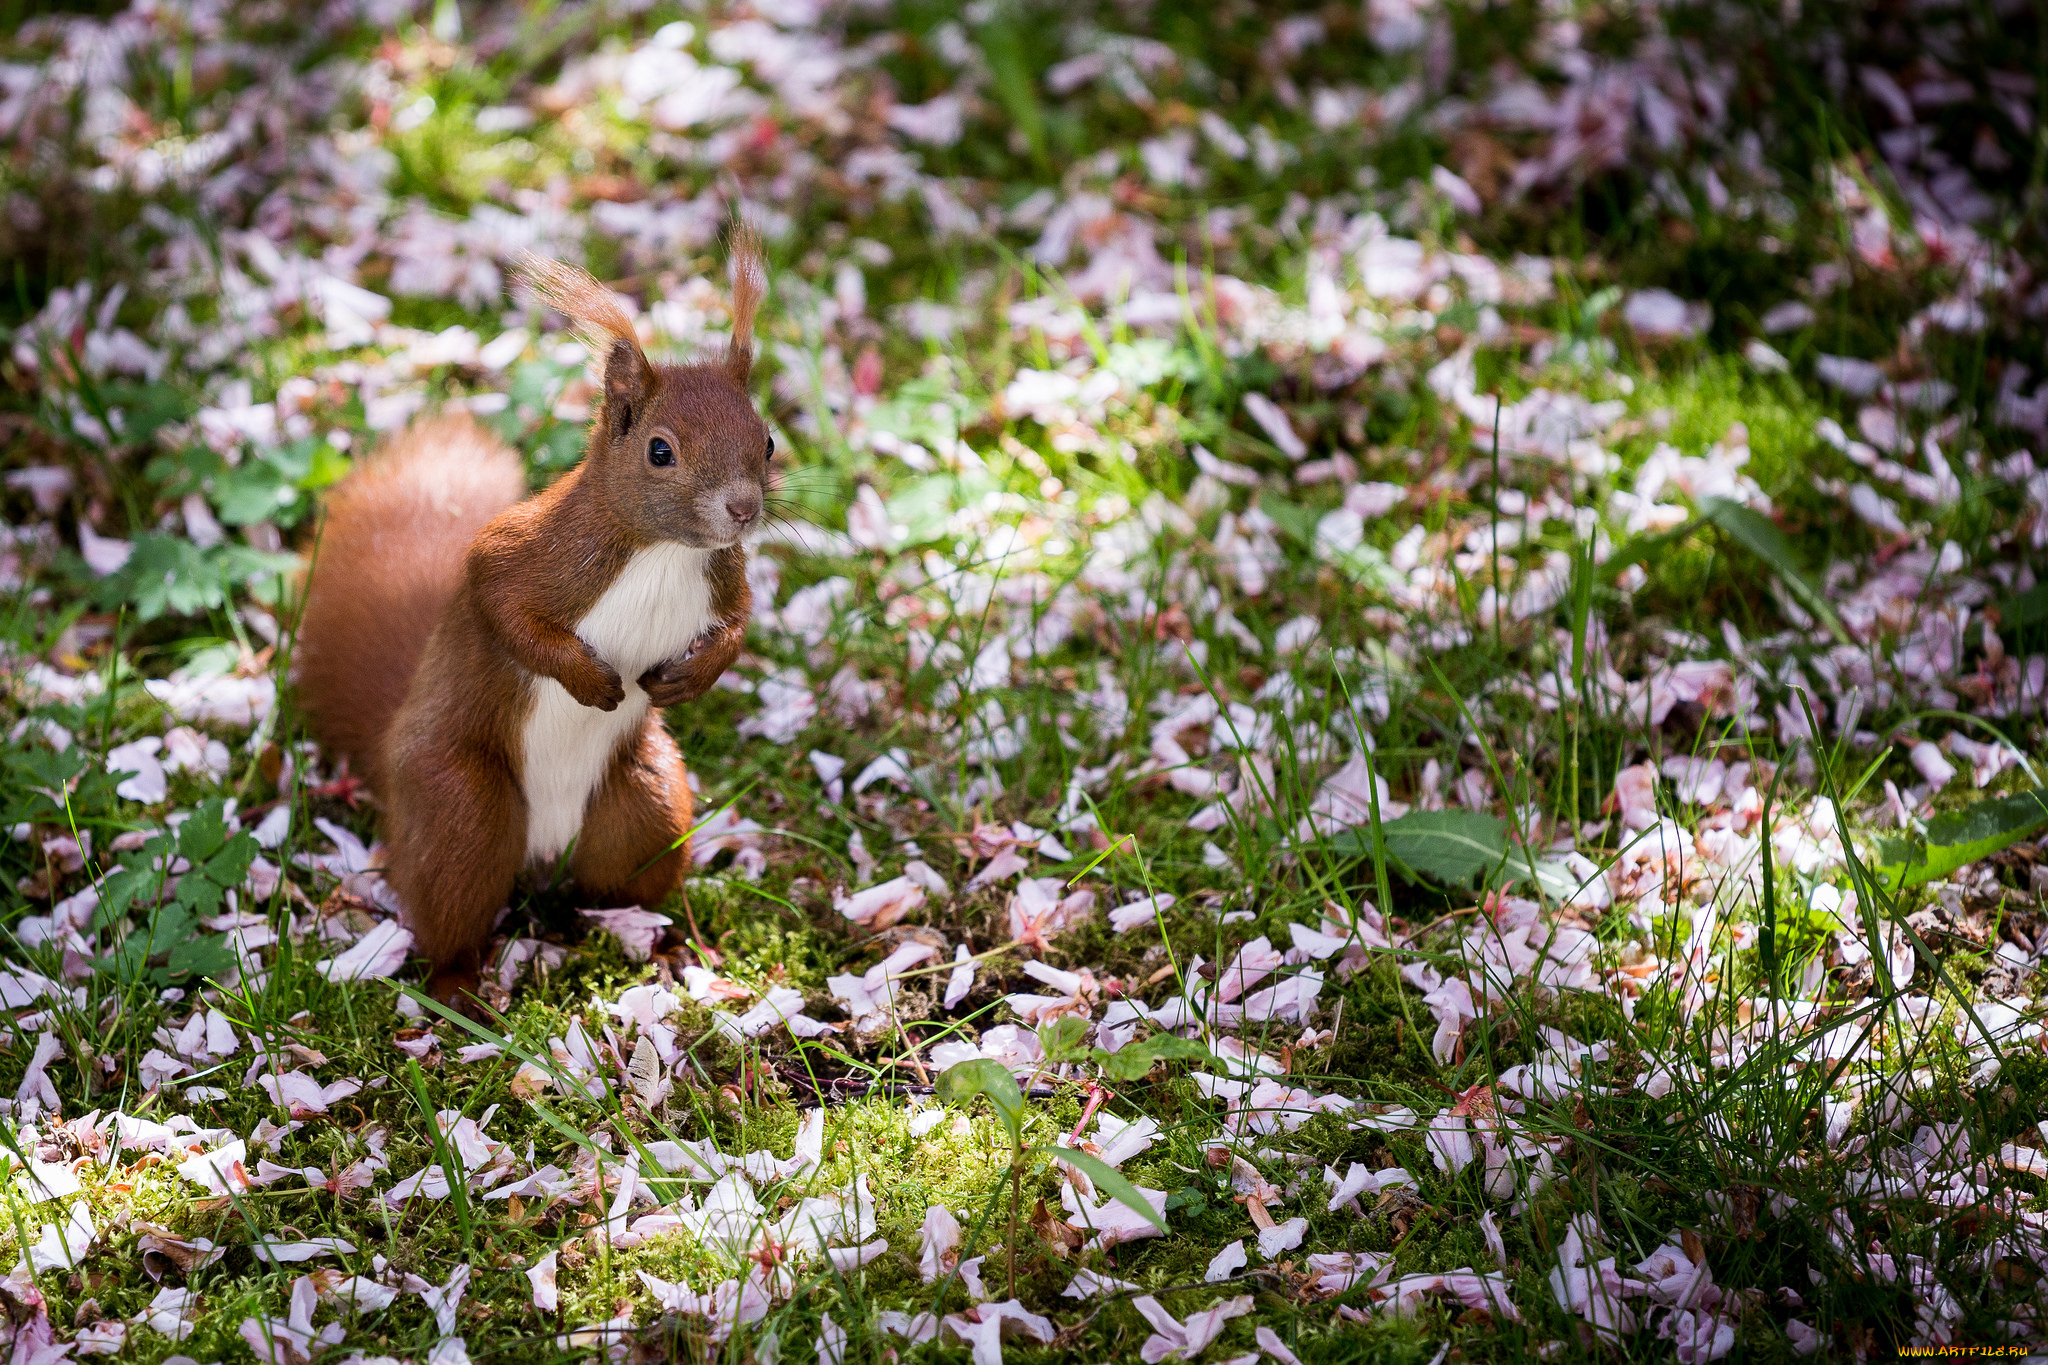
point(657, 605)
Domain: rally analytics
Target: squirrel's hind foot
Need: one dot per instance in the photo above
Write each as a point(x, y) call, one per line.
point(460, 989)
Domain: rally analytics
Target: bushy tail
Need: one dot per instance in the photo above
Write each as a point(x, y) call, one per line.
point(389, 559)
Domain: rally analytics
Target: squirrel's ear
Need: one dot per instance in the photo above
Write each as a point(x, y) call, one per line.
point(628, 381)
point(603, 323)
point(749, 287)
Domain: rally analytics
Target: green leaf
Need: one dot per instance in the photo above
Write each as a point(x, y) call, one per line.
point(203, 832)
point(962, 1081)
point(39, 770)
point(218, 860)
point(145, 408)
point(206, 955)
point(1134, 1060)
point(1456, 847)
point(252, 492)
point(1110, 1181)
point(169, 574)
point(2029, 608)
point(137, 876)
point(925, 507)
point(1596, 306)
point(927, 409)
point(1065, 1040)
point(1296, 520)
point(164, 573)
point(1961, 837)
point(1016, 83)
point(1450, 845)
point(231, 864)
point(1367, 566)
point(1152, 360)
point(171, 926)
point(1761, 537)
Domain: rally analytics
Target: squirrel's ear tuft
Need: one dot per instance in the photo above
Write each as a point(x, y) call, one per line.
point(600, 317)
point(749, 287)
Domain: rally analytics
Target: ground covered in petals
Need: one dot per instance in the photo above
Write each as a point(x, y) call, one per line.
point(1393, 712)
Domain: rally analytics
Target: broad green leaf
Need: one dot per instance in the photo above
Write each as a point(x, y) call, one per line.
point(962, 1081)
point(927, 409)
point(34, 772)
point(1110, 1181)
point(1296, 520)
point(218, 860)
point(1152, 360)
point(169, 574)
point(231, 864)
point(203, 832)
point(1126, 1064)
point(251, 492)
point(2028, 608)
point(1367, 566)
point(170, 926)
point(1961, 837)
point(122, 886)
point(164, 574)
point(198, 895)
point(205, 955)
point(1596, 306)
point(1065, 1040)
point(1556, 880)
point(1133, 1061)
point(1761, 537)
point(1452, 846)
point(147, 407)
point(1166, 1047)
point(926, 506)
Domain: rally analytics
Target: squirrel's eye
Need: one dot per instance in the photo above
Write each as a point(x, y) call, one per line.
point(660, 454)
point(771, 449)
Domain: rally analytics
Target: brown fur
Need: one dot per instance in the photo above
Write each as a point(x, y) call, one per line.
point(396, 531)
point(455, 602)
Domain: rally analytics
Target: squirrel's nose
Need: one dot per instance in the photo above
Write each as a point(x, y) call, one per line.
point(742, 509)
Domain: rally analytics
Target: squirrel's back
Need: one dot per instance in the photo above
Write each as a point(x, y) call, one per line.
point(390, 557)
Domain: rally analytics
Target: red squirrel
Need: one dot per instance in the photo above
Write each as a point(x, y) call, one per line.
point(496, 665)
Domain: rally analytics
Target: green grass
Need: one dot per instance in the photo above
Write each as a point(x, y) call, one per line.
point(1732, 1160)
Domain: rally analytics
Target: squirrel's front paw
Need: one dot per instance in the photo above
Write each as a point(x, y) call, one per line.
point(675, 681)
point(691, 674)
point(597, 685)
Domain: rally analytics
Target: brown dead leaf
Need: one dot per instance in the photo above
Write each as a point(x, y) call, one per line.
point(1402, 1206)
point(1057, 1236)
point(1738, 1207)
point(530, 1083)
point(1481, 162)
point(163, 1251)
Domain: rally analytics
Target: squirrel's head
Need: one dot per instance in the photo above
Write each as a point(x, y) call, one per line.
point(677, 451)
